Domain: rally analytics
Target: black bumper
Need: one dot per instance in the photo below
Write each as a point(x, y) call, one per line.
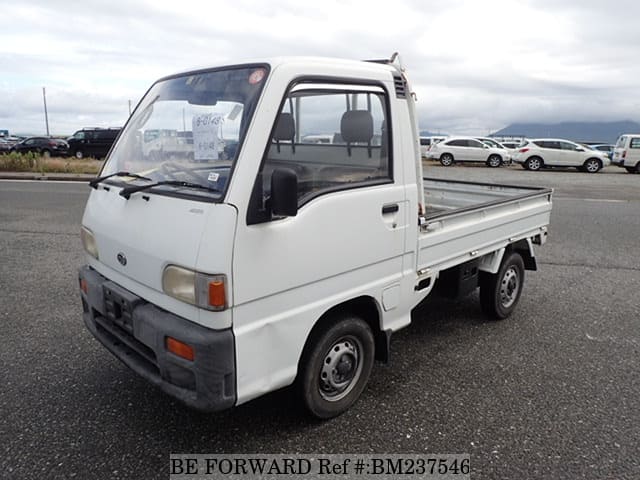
point(135, 331)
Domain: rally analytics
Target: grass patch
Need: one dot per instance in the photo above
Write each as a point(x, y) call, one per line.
point(32, 162)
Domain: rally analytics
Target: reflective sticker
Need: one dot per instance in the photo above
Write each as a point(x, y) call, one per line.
point(257, 76)
point(213, 177)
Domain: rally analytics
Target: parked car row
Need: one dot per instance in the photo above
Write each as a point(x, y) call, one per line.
point(534, 154)
point(88, 142)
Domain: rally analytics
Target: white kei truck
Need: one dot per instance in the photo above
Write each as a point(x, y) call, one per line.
point(258, 260)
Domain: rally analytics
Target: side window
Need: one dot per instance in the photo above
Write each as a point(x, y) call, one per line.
point(354, 118)
point(79, 136)
point(457, 143)
point(635, 142)
point(568, 146)
point(475, 144)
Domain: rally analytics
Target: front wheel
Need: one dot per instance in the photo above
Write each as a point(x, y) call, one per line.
point(79, 154)
point(335, 366)
point(593, 165)
point(500, 292)
point(46, 153)
point(446, 159)
point(494, 161)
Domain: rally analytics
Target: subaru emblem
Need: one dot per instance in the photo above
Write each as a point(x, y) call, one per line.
point(122, 259)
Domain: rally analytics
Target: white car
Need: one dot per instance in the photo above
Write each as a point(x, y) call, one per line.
point(467, 149)
point(626, 153)
point(492, 142)
point(552, 152)
point(427, 142)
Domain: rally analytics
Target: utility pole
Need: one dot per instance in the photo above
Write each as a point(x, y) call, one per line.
point(46, 115)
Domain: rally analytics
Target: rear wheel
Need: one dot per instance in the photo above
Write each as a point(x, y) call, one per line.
point(446, 159)
point(500, 292)
point(592, 165)
point(533, 163)
point(335, 366)
point(494, 161)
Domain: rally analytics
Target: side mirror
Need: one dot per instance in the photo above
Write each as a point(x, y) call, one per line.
point(284, 193)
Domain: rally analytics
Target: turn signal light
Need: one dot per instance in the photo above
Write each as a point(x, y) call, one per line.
point(179, 348)
point(624, 154)
point(216, 294)
point(83, 286)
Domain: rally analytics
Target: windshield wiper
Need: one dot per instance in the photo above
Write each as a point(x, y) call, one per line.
point(127, 191)
point(94, 183)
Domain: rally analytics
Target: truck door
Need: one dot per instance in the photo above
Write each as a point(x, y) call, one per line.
point(346, 240)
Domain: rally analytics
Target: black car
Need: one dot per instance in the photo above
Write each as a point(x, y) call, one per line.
point(92, 142)
point(45, 146)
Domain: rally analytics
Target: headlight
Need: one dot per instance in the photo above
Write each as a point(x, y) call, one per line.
point(89, 242)
point(199, 289)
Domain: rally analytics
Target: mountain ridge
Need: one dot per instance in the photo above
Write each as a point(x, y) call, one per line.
point(594, 132)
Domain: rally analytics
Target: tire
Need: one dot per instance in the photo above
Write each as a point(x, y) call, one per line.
point(500, 292)
point(46, 153)
point(534, 164)
point(446, 159)
point(79, 154)
point(494, 161)
point(335, 366)
point(592, 165)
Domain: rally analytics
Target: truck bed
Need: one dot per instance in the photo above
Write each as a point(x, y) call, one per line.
point(465, 220)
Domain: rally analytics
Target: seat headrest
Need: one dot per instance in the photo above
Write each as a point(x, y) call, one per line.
point(357, 126)
point(285, 129)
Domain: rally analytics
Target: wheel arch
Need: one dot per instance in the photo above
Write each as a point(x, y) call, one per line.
point(364, 307)
point(525, 248)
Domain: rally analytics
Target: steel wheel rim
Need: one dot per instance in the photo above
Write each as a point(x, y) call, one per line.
point(509, 287)
point(341, 368)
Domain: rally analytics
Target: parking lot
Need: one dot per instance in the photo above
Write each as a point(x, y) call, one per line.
point(551, 392)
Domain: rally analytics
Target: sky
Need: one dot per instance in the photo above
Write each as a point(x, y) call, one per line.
point(475, 66)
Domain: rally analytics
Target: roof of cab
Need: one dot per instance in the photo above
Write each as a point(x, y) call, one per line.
point(311, 65)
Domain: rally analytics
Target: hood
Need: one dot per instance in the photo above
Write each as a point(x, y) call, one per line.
point(139, 237)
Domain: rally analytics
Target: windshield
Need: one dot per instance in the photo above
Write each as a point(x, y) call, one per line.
point(188, 128)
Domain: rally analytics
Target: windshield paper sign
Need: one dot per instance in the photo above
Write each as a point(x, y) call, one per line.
point(206, 139)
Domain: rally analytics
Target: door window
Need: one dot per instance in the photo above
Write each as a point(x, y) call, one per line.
point(354, 118)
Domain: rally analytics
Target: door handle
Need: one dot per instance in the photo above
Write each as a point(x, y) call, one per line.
point(386, 209)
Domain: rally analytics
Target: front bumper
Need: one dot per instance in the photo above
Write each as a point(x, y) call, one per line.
point(135, 331)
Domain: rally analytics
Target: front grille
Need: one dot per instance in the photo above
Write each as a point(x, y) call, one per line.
point(124, 341)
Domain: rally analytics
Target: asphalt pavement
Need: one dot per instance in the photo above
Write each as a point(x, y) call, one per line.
point(552, 392)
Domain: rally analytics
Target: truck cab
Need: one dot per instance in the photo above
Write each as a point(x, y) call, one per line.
point(248, 259)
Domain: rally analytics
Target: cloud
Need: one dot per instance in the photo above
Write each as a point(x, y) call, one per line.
point(475, 65)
